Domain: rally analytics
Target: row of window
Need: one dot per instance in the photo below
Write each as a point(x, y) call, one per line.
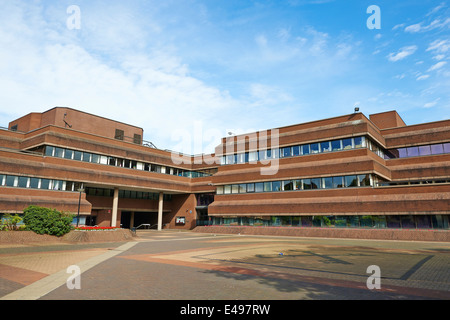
point(128, 194)
point(119, 162)
point(38, 183)
point(381, 183)
point(335, 145)
point(357, 221)
point(426, 150)
point(363, 180)
point(61, 185)
point(293, 151)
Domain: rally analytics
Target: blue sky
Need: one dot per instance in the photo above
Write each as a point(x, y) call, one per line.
point(211, 67)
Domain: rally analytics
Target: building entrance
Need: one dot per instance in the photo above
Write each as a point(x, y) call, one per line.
point(148, 218)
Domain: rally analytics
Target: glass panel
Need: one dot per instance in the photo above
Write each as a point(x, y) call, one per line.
point(446, 147)
point(351, 181)
point(57, 185)
point(285, 152)
point(327, 183)
point(253, 156)
point(242, 188)
point(286, 221)
point(296, 221)
point(437, 149)
point(235, 188)
point(262, 155)
point(77, 155)
point(10, 180)
point(297, 185)
point(95, 158)
point(336, 145)
point(219, 190)
point(306, 184)
point(68, 154)
point(267, 186)
point(230, 159)
point(315, 183)
point(250, 187)
point(347, 144)
point(23, 181)
point(49, 151)
point(358, 142)
point(276, 186)
point(325, 146)
point(241, 158)
point(34, 183)
point(288, 185)
point(423, 222)
point(314, 147)
point(353, 221)
point(393, 221)
point(413, 151)
point(296, 151)
point(227, 189)
point(364, 180)
point(439, 221)
point(306, 149)
point(408, 222)
point(337, 182)
point(59, 152)
point(340, 221)
point(307, 221)
point(366, 221)
point(45, 184)
point(402, 153)
point(86, 157)
point(379, 221)
point(259, 187)
point(424, 150)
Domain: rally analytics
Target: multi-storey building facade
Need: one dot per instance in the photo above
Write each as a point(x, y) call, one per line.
point(348, 171)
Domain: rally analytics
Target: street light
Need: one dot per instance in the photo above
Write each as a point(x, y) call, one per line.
point(79, 203)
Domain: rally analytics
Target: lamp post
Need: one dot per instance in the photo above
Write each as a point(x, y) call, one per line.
point(79, 204)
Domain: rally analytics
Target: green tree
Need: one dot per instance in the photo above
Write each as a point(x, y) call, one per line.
point(9, 222)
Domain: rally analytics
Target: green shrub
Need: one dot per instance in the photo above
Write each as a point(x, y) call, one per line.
point(47, 221)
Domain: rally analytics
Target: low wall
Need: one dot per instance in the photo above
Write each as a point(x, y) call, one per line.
point(24, 237)
point(378, 234)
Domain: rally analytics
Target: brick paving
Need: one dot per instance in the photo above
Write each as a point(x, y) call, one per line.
point(172, 265)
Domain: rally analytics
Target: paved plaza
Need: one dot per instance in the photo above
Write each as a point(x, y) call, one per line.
point(180, 265)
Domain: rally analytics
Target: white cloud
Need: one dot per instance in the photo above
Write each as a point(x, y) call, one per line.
point(403, 53)
point(431, 104)
point(437, 66)
point(413, 28)
point(439, 46)
point(423, 77)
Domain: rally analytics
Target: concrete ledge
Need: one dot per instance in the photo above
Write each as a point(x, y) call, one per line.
point(351, 233)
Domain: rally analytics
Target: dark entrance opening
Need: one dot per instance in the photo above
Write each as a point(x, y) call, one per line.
point(148, 218)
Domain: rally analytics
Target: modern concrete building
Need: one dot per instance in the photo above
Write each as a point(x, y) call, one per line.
point(349, 171)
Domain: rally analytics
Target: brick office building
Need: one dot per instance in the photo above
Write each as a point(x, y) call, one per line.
point(348, 171)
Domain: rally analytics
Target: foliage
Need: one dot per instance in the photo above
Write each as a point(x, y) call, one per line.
point(10, 222)
point(47, 221)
